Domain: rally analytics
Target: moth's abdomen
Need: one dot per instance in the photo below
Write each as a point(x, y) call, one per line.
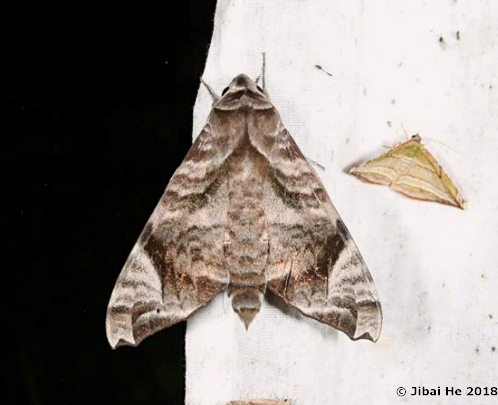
point(246, 302)
point(246, 250)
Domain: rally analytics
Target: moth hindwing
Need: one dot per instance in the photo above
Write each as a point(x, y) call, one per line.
point(410, 169)
point(245, 212)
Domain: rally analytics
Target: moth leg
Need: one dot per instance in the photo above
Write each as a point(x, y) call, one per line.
point(316, 164)
point(212, 93)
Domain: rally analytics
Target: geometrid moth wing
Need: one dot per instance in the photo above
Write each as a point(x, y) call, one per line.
point(244, 212)
point(410, 169)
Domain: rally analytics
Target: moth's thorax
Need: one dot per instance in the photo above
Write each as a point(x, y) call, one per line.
point(243, 126)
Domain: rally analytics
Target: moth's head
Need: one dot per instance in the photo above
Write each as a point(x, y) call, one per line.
point(243, 83)
point(242, 91)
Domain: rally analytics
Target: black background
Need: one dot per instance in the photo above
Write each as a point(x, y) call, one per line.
point(97, 114)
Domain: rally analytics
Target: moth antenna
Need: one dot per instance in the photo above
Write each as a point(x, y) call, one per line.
point(440, 143)
point(405, 132)
point(212, 93)
point(263, 73)
point(262, 76)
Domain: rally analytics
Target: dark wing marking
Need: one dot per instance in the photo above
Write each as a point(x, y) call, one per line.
point(314, 265)
point(177, 264)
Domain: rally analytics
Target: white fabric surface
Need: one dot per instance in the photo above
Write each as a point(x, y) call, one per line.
point(436, 267)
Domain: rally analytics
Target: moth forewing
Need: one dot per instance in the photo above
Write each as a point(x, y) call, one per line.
point(411, 170)
point(245, 211)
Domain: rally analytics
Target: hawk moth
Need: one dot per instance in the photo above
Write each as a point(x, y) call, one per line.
point(244, 212)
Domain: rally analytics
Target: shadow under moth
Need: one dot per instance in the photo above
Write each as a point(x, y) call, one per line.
point(244, 212)
point(410, 169)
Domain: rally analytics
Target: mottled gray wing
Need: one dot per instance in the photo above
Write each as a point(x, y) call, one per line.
point(177, 264)
point(314, 265)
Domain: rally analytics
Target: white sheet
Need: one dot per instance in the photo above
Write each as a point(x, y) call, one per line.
point(436, 267)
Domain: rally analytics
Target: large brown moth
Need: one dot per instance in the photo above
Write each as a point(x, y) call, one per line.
point(410, 169)
point(244, 212)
